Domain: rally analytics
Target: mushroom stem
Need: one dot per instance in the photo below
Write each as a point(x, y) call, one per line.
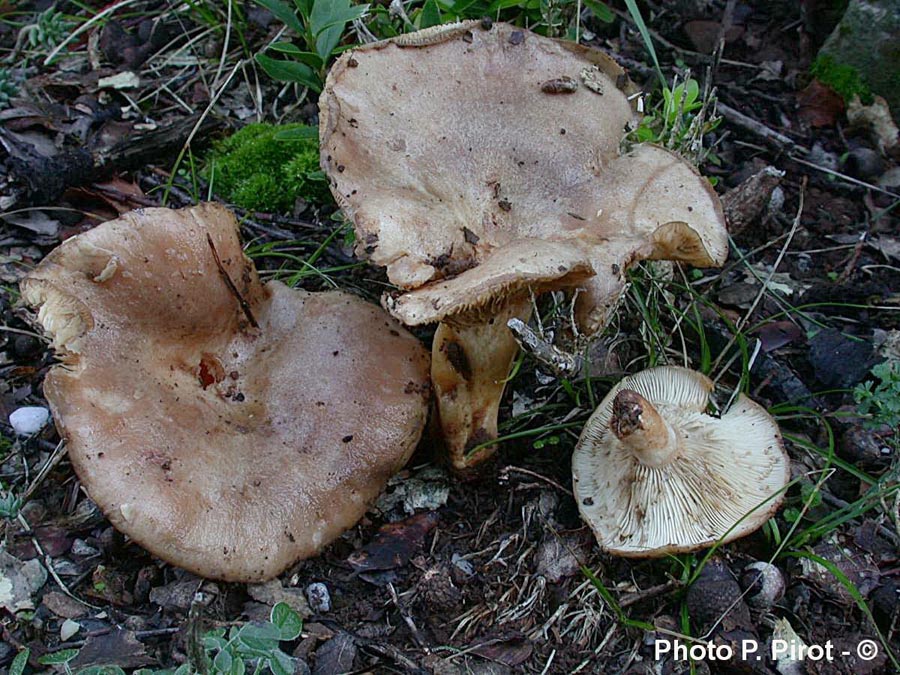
point(469, 366)
point(640, 427)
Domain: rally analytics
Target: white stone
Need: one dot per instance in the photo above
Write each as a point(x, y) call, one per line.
point(68, 629)
point(319, 597)
point(29, 420)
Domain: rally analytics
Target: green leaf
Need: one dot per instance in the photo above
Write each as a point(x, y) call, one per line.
point(226, 663)
point(791, 514)
point(289, 71)
point(304, 7)
point(289, 48)
point(63, 656)
point(288, 621)
point(297, 134)
point(259, 639)
point(280, 663)
point(328, 40)
point(283, 12)
point(101, 670)
point(342, 18)
point(223, 661)
point(321, 12)
point(600, 10)
point(692, 93)
point(17, 667)
point(645, 134)
point(430, 14)
point(211, 642)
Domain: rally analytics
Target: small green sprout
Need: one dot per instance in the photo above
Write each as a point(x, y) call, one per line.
point(680, 121)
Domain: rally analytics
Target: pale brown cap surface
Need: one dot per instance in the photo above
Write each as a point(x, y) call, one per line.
point(448, 145)
point(509, 270)
point(227, 450)
point(720, 469)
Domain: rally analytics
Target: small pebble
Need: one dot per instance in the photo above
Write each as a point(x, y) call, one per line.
point(764, 584)
point(463, 564)
point(68, 629)
point(319, 598)
point(29, 420)
point(81, 548)
point(776, 201)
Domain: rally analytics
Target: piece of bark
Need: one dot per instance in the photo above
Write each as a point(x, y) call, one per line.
point(746, 202)
point(39, 181)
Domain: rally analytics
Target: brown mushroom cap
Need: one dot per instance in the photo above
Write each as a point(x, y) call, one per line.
point(447, 145)
point(655, 474)
point(480, 163)
point(229, 450)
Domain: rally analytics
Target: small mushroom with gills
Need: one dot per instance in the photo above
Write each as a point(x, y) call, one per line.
point(480, 161)
point(230, 427)
point(655, 474)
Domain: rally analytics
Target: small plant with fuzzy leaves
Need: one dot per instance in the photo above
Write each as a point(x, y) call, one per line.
point(10, 504)
point(255, 646)
point(680, 121)
point(880, 400)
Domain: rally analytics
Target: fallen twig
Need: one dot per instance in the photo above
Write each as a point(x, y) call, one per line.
point(245, 306)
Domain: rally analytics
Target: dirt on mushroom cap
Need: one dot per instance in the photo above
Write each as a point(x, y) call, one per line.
point(229, 450)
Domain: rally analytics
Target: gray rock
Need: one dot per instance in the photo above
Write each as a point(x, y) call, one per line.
point(866, 39)
point(19, 581)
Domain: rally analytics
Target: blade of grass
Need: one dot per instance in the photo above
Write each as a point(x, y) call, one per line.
point(638, 19)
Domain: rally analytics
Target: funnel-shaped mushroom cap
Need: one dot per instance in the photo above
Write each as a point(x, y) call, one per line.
point(446, 145)
point(655, 474)
point(228, 449)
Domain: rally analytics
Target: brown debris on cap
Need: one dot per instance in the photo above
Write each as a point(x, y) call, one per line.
point(655, 474)
point(226, 449)
point(451, 148)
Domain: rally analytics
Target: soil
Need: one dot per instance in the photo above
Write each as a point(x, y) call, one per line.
point(489, 577)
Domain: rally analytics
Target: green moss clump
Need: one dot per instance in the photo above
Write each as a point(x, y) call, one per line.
point(844, 79)
point(258, 172)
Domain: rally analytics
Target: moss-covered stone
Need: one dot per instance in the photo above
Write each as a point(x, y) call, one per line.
point(862, 54)
point(256, 171)
point(844, 79)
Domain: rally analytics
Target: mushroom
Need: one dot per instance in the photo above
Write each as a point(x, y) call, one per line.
point(479, 163)
point(655, 474)
point(228, 426)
